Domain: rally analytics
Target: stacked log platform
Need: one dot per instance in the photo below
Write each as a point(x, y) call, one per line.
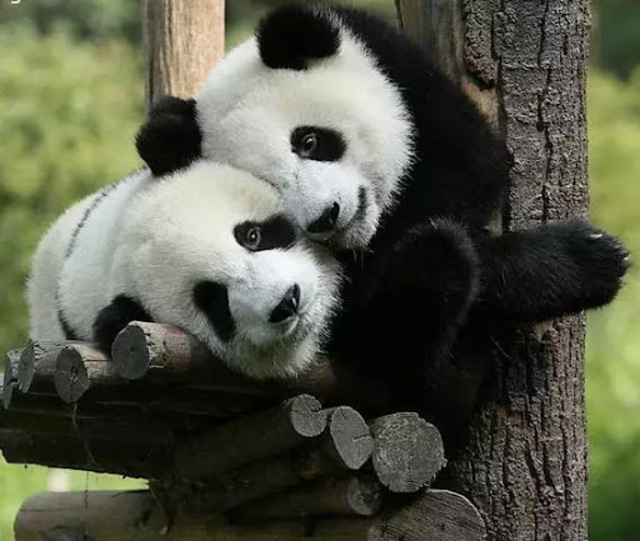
point(226, 457)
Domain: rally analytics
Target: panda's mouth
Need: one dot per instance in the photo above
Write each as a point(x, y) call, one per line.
point(288, 326)
point(330, 237)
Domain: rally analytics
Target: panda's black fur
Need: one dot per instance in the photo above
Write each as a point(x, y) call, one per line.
point(431, 266)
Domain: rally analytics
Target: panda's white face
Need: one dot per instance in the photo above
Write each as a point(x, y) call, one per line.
point(334, 139)
point(211, 250)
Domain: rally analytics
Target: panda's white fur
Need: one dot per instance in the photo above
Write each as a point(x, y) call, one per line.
point(154, 239)
point(246, 112)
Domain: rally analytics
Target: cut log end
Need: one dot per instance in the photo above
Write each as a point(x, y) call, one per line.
point(408, 452)
point(71, 380)
point(11, 364)
point(306, 417)
point(27, 366)
point(130, 352)
point(350, 440)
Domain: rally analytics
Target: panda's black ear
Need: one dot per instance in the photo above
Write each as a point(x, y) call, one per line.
point(170, 137)
point(290, 36)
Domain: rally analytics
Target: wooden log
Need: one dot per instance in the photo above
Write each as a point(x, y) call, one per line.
point(113, 516)
point(353, 496)
point(407, 451)
point(37, 366)
point(183, 41)
point(349, 440)
point(9, 389)
point(344, 447)
point(80, 367)
point(9, 376)
point(147, 459)
point(164, 354)
point(235, 444)
point(15, 401)
point(190, 403)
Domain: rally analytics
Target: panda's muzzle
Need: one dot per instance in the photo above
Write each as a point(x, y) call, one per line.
point(327, 221)
point(288, 306)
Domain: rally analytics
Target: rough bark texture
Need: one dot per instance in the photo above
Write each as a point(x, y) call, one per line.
point(524, 63)
point(184, 40)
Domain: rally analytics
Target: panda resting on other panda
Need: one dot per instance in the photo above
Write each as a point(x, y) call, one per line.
point(381, 158)
point(208, 249)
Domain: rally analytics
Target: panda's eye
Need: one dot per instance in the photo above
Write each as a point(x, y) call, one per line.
point(253, 238)
point(276, 232)
point(316, 143)
point(308, 144)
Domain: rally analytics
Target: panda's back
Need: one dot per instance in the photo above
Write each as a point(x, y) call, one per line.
point(72, 262)
point(83, 288)
point(45, 273)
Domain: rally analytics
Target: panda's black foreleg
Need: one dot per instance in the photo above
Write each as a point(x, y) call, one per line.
point(420, 298)
point(114, 317)
point(549, 271)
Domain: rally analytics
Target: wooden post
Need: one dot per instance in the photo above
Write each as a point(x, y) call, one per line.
point(524, 64)
point(183, 41)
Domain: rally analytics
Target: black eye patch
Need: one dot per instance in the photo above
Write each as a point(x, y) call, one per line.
point(213, 299)
point(315, 143)
point(276, 232)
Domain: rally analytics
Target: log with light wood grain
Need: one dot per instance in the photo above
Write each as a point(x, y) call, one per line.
point(408, 452)
point(251, 438)
point(352, 496)
point(164, 355)
point(114, 516)
point(345, 446)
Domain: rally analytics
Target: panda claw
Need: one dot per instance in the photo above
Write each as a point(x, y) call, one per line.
point(596, 236)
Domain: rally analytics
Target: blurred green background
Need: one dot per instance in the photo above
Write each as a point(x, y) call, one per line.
point(71, 99)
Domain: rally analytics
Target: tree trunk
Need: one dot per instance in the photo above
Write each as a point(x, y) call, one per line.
point(524, 63)
point(183, 41)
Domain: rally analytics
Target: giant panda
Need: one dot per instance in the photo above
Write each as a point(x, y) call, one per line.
point(209, 249)
point(381, 158)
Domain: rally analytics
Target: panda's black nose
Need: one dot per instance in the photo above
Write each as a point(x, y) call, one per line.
point(327, 220)
point(288, 306)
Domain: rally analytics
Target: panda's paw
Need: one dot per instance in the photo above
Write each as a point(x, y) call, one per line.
point(439, 260)
point(114, 317)
point(170, 137)
point(602, 261)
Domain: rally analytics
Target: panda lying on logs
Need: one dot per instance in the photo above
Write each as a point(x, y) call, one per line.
point(208, 249)
point(380, 157)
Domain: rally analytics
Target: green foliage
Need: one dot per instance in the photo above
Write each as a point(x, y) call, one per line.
point(86, 19)
point(613, 342)
point(617, 43)
point(68, 115)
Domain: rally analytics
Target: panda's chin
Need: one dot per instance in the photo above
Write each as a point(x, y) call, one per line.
point(279, 334)
point(281, 357)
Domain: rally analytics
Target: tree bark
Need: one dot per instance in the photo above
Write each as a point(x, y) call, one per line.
point(524, 64)
point(183, 41)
